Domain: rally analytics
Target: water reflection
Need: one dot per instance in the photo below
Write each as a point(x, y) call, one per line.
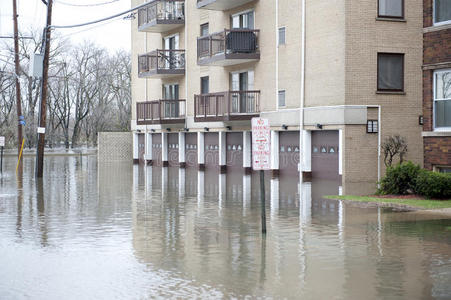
point(105, 231)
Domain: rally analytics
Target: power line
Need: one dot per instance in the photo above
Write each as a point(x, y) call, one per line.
point(101, 20)
point(85, 5)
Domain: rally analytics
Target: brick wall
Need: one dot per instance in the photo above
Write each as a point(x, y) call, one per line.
point(115, 146)
point(437, 151)
point(437, 46)
point(427, 13)
point(427, 100)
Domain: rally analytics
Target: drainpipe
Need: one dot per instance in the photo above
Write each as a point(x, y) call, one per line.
point(277, 54)
point(301, 111)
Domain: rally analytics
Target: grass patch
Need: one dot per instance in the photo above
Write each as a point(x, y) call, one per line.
point(418, 203)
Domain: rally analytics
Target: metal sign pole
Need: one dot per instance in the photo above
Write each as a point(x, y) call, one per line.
point(263, 201)
point(1, 161)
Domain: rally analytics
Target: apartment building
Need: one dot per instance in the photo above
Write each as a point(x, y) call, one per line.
point(437, 85)
point(334, 81)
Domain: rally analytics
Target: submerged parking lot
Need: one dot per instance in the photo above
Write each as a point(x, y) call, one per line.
point(103, 231)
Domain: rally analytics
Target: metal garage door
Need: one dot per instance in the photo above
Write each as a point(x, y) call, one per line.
point(211, 150)
point(325, 154)
point(191, 149)
point(173, 149)
point(234, 143)
point(156, 149)
point(289, 151)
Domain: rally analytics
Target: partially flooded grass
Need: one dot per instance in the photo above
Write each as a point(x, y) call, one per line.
point(415, 203)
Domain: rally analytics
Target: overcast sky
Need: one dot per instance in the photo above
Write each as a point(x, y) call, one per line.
point(111, 34)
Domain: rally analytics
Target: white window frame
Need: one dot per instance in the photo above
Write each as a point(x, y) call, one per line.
point(434, 99)
point(278, 98)
point(433, 17)
point(285, 35)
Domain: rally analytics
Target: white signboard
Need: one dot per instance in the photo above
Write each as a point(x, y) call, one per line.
point(2, 141)
point(41, 130)
point(261, 144)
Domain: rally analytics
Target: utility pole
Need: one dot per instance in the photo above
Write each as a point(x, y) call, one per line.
point(43, 104)
point(17, 69)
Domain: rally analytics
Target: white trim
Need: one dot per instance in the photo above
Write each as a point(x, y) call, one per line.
point(433, 17)
point(434, 89)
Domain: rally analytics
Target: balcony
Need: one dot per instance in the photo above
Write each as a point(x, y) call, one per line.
point(161, 16)
point(160, 112)
point(227, 48)
point(162, 64)
point(227, 106)
point(221, 4)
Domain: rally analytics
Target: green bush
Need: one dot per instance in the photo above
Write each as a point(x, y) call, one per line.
point(400, 179)
point(433, 184)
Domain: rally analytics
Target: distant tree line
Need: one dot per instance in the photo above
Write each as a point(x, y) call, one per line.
point(89, 92)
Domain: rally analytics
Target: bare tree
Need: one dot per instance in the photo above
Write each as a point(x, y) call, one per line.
point(393, 146)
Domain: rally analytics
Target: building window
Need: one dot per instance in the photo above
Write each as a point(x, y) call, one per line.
point(446, 169)
point(442, 99)
point(442, 11)
point(282, 35)
point(372, 126)
point(204, 85)
point(282, 98)
point(244, 20)
point(391, 8)
point(204, 29)
point(390, 72)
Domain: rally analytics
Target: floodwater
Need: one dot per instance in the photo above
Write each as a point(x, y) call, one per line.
point(127, 232)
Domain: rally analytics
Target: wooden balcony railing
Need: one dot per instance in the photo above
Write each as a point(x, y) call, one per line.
point(162, 10)
point(162, 60)
point(161, 112)
point(229, 41)
point(225, 106)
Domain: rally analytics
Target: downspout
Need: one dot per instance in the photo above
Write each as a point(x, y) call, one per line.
point(277, 55)
point(301, 111)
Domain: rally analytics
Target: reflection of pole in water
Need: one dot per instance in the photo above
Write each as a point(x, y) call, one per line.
point(200, 189)
point(274, 196)
point(341, 220)
point(263, 261)
point(379, 231)
point(135, 176)
point(222, 189)
point(305, 198)
point(181, 183)
point(149, 174)
point(164, 181)
point(41, 211)
point(247, 193)
point(19, 205)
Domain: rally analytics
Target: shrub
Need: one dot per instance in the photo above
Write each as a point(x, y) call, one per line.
point(400, 179)
point(433, 184)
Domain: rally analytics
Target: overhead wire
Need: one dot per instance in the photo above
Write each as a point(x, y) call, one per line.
point(100, 20)
point(84, 5)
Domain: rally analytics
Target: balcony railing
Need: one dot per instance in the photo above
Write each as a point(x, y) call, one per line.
point(160, 112)
point(230, 44)
point(226, 106)
point(162, 62)
point(161, 15)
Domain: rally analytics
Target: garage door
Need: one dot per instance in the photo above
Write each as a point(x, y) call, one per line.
point(234, 142)
point(191, 149)
point(156, 149)
point(211, 150)
point(173, 149)
point(325, 154)
point(289, 151)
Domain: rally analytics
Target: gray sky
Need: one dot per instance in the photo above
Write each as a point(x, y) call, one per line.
point(112, 35)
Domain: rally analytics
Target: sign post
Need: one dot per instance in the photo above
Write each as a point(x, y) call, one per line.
point(2, 145)
point(261, 158)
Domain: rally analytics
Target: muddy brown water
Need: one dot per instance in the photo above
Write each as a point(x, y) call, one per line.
point(117, 231)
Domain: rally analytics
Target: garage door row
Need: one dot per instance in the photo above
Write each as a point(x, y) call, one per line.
point(324, 151)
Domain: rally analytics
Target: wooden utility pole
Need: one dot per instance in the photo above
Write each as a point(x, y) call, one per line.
point(17, 70)
point(43, 105)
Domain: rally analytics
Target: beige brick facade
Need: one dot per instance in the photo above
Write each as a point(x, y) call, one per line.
point(343, 38)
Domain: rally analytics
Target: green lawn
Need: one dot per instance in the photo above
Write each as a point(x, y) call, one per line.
point(418, 203)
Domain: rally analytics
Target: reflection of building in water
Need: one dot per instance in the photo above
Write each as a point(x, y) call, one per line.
point(359, 253)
